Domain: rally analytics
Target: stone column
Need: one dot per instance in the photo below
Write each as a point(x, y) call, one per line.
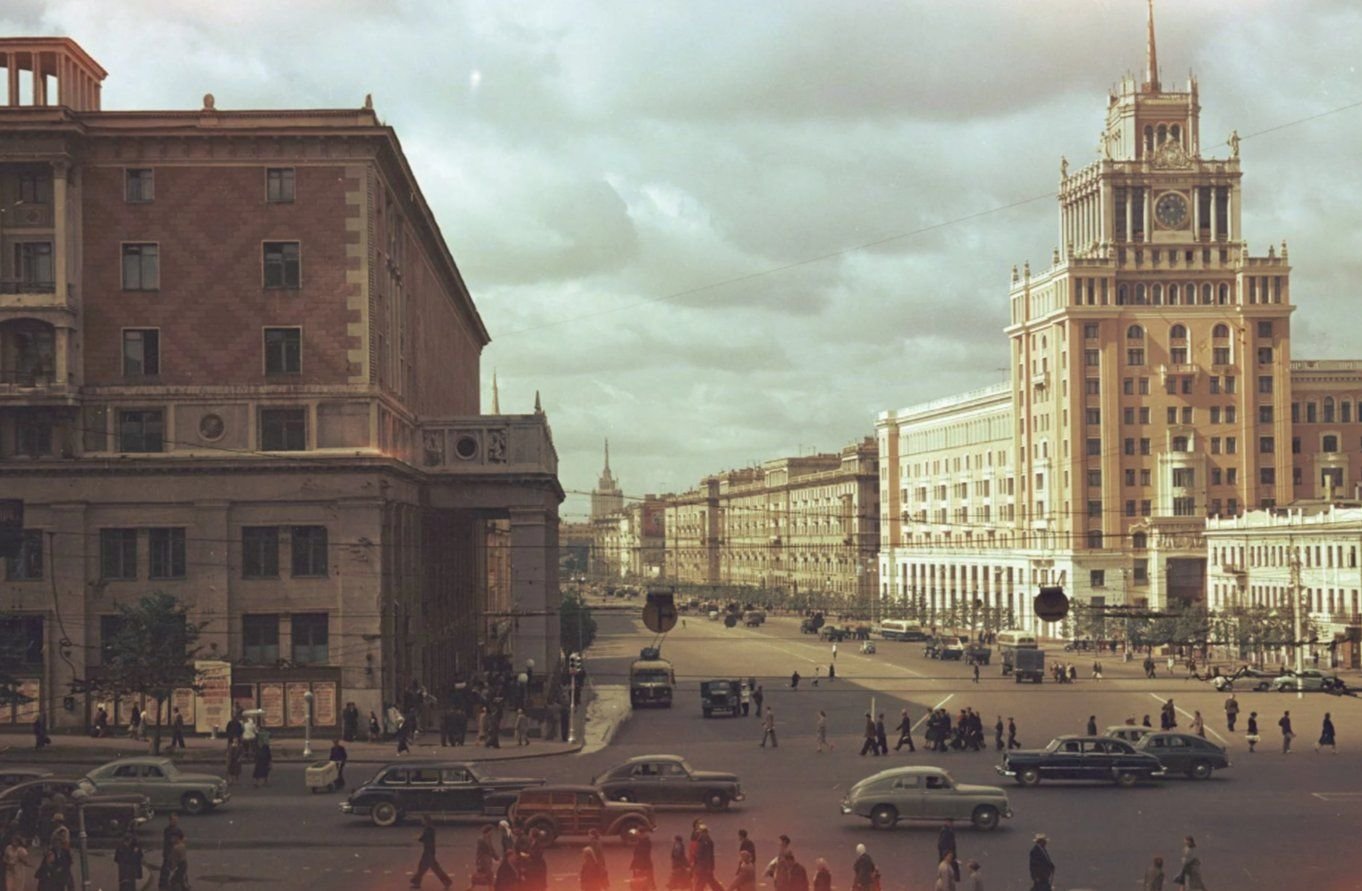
point(1196, 213)
point(61, 247)
point(1147, 199)
point(61, 359)
point(1130, 214)
point(1215, 223)
point(12, 61)
point(535, 597)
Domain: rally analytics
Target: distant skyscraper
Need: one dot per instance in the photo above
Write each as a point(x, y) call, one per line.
point(606, 498)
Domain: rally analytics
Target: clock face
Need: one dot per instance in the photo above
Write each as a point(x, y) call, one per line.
point(1171, 210)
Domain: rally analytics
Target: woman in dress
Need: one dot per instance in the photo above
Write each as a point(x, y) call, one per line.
point(679, 878)
point(233, 762)
point(1326, 735)
point(592, 874)
point(1191, 867)
point(263, 762)
point(16, 864)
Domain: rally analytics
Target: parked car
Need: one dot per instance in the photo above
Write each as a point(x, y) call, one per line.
point(106, 816)
point(547, 812)
point(1310, 680)
point(668, 779)
point(161, 780)
point(834, 633)
point(433, 788)
point(1093, 758)
point(1244, 679)
point(1185, 753)
point(13, 776)
point(924, 793)
point(1131, 733)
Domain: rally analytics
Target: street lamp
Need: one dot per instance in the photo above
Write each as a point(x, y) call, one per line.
point(307, 728)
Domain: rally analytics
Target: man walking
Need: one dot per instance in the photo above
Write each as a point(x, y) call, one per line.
point(976, 672)
point(757, 697)
point(998, 733)
point(1231, 712)
point(905, 731)
point(1092, 725)
point(177, 731)
point(870, 745)
point(881, 736)
point(1012, 735)
point(428, 863)
point(703, 868)
point(1326, 735)
point(1287, 734)
point(1042, 867)
point(1251, 737)
point(945, 844)
point(768, 731)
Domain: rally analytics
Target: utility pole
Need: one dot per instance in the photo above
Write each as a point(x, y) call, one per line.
point(1296, 618)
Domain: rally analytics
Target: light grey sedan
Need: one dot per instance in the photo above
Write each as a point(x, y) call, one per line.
point(161, 780)
point(924, 793)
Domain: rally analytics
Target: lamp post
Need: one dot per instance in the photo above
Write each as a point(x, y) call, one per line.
point(307, 728)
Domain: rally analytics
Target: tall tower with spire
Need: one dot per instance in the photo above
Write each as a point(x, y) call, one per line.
point(606, 498)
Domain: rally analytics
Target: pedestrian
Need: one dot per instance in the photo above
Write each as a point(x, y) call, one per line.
point(1252, 736)
point(135, 723)
point(234, 762)
point(1072, 672)
point(1198, 724)
point(507, 876)
point(50, 875)
point(507, 838)
point(1326, 735)
point(821, 729)
point(703, 867)
point(250, 735)
point(1041, 866)
point(1172, 663)
point(1287, 733)
point(128, 856)
point(778, 870)
point(745, 694)
point(834, 652)
point(945, 847)
point(1092, 725)
point(350, 722)
point(945, 872)
point(1012, 735)
point(768, 730)
point(881, 735)
point(1096, 670)
point(428, 863)
point(832, 673)
point(404, 729)
point(822, 875)
point(1146, 723)
point(179, 866)
point(870, 745)
point(865, 876)
point(905, 731)
point(40, 737)
point(264, 758)
point(746, 844)
point(338, 755)
point(375, 729)
point(1153, 876)
point(679, 877)
point(485, 859)
point(1189, 877)
point(177, 731)
point(745, 879)
point(973, 880)
point(592, 875)
point(522, 728)
point(1231, 712)
point(798, 878)
point(998, 733)
point(641, 863)
point(170, 836)
point(794, 680)
point(757, 697)
point(976, 672)
point(16, 863)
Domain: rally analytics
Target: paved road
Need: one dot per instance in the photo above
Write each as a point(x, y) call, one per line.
point(1247, 822)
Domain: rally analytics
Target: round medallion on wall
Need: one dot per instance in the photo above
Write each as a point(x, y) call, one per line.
point(211, 427)
point(466, 446)
point(1171, 210)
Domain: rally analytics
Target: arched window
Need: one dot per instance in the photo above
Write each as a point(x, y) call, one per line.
point(1179, 443)
point(1134, 332)
point(1178, 332)
point(1163, 134)
point(1121, 295)
point(1175, 132)
point(1157, 292)
point(1345, 411)
point(1139, 295)
point(1329, 443)
point(1172, 295)
point(1220, 332)
point(1328, 411)
point(1148, 138)
point(1224, 294)
point(1206, 293)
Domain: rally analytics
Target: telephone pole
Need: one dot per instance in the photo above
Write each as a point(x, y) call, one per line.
point(1296, 618)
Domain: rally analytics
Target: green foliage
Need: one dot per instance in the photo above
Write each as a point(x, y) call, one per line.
point(576, 627)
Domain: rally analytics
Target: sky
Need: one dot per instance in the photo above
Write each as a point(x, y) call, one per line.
point(719, 233)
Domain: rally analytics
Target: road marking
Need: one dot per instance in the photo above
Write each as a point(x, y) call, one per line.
point(1337, 796)
point(921, 720)
point(1210, 730)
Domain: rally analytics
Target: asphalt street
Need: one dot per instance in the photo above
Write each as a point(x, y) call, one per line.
point(1271, 821)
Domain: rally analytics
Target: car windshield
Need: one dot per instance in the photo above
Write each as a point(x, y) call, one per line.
point(652, 676)
point(1054, 745)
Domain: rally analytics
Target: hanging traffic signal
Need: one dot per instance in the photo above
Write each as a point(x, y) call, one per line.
point(1051, 604)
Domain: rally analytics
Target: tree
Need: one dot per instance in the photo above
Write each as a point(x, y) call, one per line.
point(576, 627)
point(152, 654)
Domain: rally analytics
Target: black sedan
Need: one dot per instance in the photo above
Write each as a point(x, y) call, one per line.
point(668, 779)
point(435, 789)
point(34, 803)
point(1093, 758)
point(1185, 753)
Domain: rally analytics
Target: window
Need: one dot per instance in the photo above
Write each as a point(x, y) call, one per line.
point(1178, 332)
point(35, 188)
point(1146, 507)
point(1215, 385)
point(1173, 415)
point(1095, 510)
point(1144, 477)
point(23, 637)
point(309, 638)
point(1130, 476)
point(1265, 329)
point(1264, 355)
point(1144, 415)
point(1130, 507)
point(118, 554)
point(1144, 446)
point(165, 550)
point(1138, 541)
point(1329, 444)
point(1295, 445)
point(1186, 385)
point(33, 265)
point(1090, 331)
point(1229, 414)
point(1128, 446)
point(1267, 476)
point(1311, 412)
point(283, 350)
point(27, 566)
point(282, 267)
point(140, 430)
point(1178, 355)
point(1217, 477)
point(1184, 507)
point(1092, 416)
point(1094, 478)
point(1141, 568)
point(1328, 409)
point(1232, 507)
point(1265, 383)
point(1097, 578)
point(139, 185)
point(1231, 445)
point(1184, 476)
point(1128, 386)
point(260, 638)
point(1265, 414)
point(141, 352)
point(1266, 445)
point(1094, 447)
point(1092, 387)
point(1135, 357)
point(309, 550)
point(1215, 445)
point(1134, 332)
point(279, 185)
point(283, 429)
point(1232, 475)
point(1144, 386)
point(141, 267)
point(1229, 384)
point(1092, 358)
point(259, 552)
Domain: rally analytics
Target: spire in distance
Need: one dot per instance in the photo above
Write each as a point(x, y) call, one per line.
point(607, 456)
point(496, 396)
point(1152, 77)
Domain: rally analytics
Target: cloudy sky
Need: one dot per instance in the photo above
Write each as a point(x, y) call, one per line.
point(723, 232)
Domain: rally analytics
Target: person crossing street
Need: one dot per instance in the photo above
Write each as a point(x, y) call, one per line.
point(768, 729)
point(905, 731)
point(1231, 712)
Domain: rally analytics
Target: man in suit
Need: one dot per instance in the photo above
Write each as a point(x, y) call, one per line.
point(1042, 867)
point(945, 843)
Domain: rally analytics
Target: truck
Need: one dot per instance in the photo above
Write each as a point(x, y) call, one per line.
point(651, 680)
point(1024, 663)
point(753, 617)
point(721, 697)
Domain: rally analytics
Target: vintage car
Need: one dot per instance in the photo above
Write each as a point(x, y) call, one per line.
point(834, 633)
point(435, 789)
point(1131, 733)
point(668, 779)
point(721, 697)
point(949, 647)
point(978, 653)
point(1185, 753)
point(1244, 679)
point(547, 812)
point(32, 804)
point(1093, 758)
point(161, 780)
point(924, 793)
point(1309, 680)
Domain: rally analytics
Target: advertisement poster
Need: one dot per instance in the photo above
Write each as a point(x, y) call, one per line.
point(182, 699)
point(25, 712)
point(215, 695)
point(297, 705)
point(272, 704)
point(324, 704)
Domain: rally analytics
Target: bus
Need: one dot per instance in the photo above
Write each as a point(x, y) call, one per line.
point(901, 629)
point(1016, 640)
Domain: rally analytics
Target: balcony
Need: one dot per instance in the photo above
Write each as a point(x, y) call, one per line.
point(28, 294)
point(25, 286)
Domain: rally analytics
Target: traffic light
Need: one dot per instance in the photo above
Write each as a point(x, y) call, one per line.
point(575, 663)
point(1051, 604)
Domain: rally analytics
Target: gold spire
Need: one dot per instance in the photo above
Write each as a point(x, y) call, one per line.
point(1152, 77)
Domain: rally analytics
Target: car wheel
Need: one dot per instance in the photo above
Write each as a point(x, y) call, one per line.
point(385, 814)
point(193, 803)
point(1029, 777)
point(716, 800)
point(543, 831)
point(884, 817)
point(1200, 770)
point(1125, 779)
point(985, 817)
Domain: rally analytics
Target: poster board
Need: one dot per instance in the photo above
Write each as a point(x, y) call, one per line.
point(27, 712)
point(324, 704)
point(296, 703)
point(182, 699)
point(272, 704)
point(215, 695)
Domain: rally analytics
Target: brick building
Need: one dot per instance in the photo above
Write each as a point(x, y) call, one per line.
point(239, 364)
